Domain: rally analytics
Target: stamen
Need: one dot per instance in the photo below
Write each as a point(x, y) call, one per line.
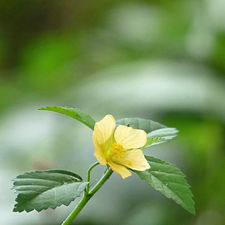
point(117, 151)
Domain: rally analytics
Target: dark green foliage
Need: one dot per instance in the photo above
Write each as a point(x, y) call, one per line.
point(75, 113)
point(169, 181)
point(38, 190)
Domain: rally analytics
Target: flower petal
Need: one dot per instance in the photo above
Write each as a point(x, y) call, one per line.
point(134, 159)
point(103, 136)
point(130, 138)
point(121, 170)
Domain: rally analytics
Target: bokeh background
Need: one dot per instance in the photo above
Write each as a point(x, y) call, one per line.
point(156, 59)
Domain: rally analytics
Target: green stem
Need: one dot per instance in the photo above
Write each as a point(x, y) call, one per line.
point(87, 197)
point(75, 212)
point(89, 176)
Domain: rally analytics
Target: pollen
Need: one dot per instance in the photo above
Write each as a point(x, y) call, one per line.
point(117, 147)
point(117, 151)
point(130, 163)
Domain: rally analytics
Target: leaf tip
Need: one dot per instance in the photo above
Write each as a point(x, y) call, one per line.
point(192, 211)
point(43, 108)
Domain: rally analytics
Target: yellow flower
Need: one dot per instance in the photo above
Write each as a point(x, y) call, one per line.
point(119, 148)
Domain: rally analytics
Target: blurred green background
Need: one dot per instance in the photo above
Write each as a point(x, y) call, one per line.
point(160, 60)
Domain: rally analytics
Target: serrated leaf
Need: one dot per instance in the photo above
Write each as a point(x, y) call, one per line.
point(38, 190)
point(169, 181)
point(138, 123)
point(160, 136)
point(75, 113)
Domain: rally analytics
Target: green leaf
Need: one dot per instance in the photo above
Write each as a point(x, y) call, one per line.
point(160, 136)
point(138, 123)
point(169, 181)
point(38, 190)
point(75, 113)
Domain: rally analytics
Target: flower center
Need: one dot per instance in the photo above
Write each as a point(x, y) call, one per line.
point(117, 151)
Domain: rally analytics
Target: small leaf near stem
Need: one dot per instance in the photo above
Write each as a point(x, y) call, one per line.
point(88, 196)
